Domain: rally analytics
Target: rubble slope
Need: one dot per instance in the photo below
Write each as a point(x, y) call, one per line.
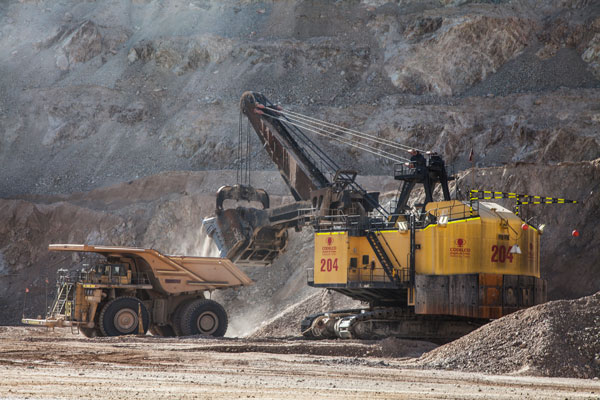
point(559, 338)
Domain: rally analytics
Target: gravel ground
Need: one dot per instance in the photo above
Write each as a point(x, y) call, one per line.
point(37, 364)
point(287, 323)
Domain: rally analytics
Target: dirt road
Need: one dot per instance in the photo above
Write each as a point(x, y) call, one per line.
point(36, 364)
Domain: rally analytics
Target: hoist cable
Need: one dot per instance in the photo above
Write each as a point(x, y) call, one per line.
point(316, 149)
point(318, 153)
point(238, 173)
point(333, 166)
point(382, 141)
point(248, 153)
point(352, 132)
point(338, 135)
point(362, 146)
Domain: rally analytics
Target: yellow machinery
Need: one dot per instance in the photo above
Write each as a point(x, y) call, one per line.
point(134, 290)
point(438, 276)
point(435, 271)
point(473, 250)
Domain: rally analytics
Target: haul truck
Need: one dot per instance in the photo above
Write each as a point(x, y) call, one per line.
point(133, 290)
point(434, 270)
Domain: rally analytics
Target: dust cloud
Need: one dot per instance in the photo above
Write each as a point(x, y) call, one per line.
point(200, 244)
point(245, 325)
point(208, 247)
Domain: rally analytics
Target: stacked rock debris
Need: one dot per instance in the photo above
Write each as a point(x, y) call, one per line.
point(559, 338)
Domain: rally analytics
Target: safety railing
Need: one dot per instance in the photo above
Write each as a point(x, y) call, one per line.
point(351, 223)
point(408, 168)
point(334, 220)
point(367, 276)
point(91, 276)
point(456, 212)
point(403, 169)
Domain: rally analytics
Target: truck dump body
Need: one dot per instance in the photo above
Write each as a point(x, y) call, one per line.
point(170, 274)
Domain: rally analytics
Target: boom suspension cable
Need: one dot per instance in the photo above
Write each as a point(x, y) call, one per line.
point(349, 142)
point(354, 185)
point(328, 125)
point(323, 157)
point(316, 150)
point(294, 125)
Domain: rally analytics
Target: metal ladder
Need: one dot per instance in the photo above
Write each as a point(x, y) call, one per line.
point(61, 299)
point(382, 256)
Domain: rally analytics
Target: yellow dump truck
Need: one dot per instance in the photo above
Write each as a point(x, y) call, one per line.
point(133, 290)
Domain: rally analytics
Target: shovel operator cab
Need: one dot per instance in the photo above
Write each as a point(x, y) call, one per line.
point(134, 290)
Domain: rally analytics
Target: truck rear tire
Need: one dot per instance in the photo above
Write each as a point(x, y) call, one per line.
point(175, 321)
point(204, 317)
point(162, 330)
point(120, 317)
point(90, 332)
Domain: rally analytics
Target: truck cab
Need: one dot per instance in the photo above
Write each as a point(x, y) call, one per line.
point(113, 273)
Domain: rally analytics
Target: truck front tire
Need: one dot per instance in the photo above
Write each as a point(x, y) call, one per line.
point(120, 317)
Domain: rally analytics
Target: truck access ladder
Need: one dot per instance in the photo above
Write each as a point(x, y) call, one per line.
point(61, 299)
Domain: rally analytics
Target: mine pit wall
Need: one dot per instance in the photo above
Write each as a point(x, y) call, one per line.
point(142, 89)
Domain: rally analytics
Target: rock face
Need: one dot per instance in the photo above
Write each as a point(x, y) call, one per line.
point(448, 55)
point(127, 91)
point(83, 44)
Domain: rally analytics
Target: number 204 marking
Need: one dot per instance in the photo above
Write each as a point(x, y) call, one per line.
point(501, 254)
point(327, 264)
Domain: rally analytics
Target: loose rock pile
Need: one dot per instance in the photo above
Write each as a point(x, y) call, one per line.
point(559, 338)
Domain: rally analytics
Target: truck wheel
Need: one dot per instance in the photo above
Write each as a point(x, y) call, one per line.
point(204, 317)
point(90, 332)
point(176, 318)
point(162, 330)
point(120, 317)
